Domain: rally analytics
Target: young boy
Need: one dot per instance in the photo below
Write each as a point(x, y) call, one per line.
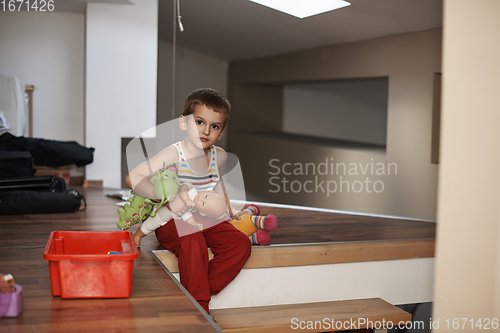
point(204, 118)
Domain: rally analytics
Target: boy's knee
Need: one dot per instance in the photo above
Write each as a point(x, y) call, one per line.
point(245, 246)
point(240, 246)
point(193, 242)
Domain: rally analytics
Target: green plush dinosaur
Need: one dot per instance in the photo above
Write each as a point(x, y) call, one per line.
point(166, 185)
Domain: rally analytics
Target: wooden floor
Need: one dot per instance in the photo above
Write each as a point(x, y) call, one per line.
point(319, 227)
point(156, 303)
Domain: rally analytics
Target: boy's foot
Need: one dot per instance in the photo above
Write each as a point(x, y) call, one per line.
point(137, 241)
point(213, 318)
point(138, 236)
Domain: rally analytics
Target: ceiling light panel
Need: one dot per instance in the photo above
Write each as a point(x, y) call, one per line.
point(303, 8)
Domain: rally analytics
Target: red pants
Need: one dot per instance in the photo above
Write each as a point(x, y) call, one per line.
point(231, 249)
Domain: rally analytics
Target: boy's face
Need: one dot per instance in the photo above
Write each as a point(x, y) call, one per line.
point(206, 128)
point(210, 204)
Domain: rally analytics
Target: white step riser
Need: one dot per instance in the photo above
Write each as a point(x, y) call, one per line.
point(396, 281)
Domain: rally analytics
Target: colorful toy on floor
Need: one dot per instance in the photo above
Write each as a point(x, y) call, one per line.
point(255, 226)
point(166, 185)
point(6, 283)
point(11, 297)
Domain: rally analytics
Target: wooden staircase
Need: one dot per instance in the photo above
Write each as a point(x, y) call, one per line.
point(348, 267)
point(323, 313)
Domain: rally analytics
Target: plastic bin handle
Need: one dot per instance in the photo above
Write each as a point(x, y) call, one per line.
point(91, 257)
point(126, 246)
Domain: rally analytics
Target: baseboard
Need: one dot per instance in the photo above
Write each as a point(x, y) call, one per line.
point(76, 180)
point(92, 183)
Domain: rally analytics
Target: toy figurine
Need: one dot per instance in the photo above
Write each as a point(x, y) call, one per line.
point(166, 185)
point(256, 227)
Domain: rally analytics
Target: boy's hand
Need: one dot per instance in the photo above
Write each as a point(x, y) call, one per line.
point(177, 206)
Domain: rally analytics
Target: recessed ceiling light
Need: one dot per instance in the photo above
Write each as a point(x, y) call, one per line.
point(303, 8)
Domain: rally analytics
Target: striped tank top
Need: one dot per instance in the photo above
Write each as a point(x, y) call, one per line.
point(205, 181)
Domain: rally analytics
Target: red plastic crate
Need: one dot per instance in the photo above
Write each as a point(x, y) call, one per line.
point(80, 266)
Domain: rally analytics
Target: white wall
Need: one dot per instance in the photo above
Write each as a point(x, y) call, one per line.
point(121, 81)
point(467, 283)
point(410, 61)
point(47, 50)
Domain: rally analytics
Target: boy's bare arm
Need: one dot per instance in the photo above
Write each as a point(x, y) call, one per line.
point(177, 206)
point(138, 178)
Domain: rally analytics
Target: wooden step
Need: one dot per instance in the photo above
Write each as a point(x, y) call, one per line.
point(302, 273)
point(324, 253)
point(312, 317)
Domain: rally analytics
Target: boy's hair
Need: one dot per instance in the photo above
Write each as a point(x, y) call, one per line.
point(211, 99)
